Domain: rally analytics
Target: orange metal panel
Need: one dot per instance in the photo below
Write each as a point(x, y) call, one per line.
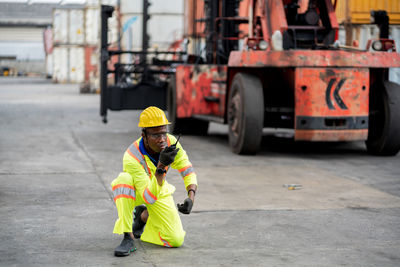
point(200, 90)
point(331, 104)
point(314, 58)
point(331, 135)
point(318, 91)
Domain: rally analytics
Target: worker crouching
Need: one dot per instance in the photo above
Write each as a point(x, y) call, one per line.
point(143, 185)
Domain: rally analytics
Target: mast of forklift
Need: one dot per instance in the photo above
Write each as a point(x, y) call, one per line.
point(106, 12)
point(145, 36)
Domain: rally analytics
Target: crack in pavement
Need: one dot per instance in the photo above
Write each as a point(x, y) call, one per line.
point(91, 160)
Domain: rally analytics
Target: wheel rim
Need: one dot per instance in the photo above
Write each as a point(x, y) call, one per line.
point(234, 114)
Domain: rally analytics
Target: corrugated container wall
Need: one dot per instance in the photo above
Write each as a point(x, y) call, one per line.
point(60, 63)
point(60, 26)
point(164, 26)
point(358, 11)
point(76, 64)
point(394, 73)
point(68, 26)
point(92, 26)
point(76, 41)
point(69, 65)
point(76, 26)
point(68, 43)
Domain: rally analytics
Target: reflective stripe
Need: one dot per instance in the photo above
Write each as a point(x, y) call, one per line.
point(186, 171)
point(149, 197)
point(122, 185)
point(168, 141)
point(124, 191)
point(123, 196)
point(166, 243)
point(144, 164)
point(134, 151)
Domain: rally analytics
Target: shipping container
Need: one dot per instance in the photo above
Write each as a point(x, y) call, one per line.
point(92, 26)
point(394, 73)
point(76, 26)
point(60, 26)
point(164, 26)
point(68, 64)
point(97, 3)
point(60, 64)
point(68, 26)
point(76, 64)
point(359, 11)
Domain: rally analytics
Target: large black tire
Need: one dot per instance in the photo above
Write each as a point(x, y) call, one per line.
point(245, 114)
point(187, 126)
point(384, 119)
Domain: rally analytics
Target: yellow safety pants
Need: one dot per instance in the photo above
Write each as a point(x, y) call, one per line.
point(163, 227)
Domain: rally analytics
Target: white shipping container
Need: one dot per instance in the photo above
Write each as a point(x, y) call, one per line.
point(109, 2)
point(76, 26)
point(156, 7)
point(76, 64)
point(394, 73)
point(164, 27)
point(68, 64)
point(92, 3)
point(92, 26)
point(60, 26)
point(113, 30)
point(132, 37)
point(102, 2)
point(163, 30)
point(60, 64)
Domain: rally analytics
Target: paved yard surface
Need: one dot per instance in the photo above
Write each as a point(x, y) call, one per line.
point(57, 160)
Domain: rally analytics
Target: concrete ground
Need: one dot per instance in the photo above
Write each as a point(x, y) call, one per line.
point(57, 160)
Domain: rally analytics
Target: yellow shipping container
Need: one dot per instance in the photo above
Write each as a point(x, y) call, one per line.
point(358, 11)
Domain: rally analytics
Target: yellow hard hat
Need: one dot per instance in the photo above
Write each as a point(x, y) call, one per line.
point(152, 117)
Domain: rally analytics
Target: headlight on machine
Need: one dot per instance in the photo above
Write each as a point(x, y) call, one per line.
point(263, 45)
point(377, 45)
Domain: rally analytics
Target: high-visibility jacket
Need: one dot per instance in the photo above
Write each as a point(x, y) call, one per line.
point(142, 170)
point(163, 226)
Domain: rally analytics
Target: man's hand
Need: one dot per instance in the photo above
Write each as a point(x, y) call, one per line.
point(167, 155)
point(186, 207)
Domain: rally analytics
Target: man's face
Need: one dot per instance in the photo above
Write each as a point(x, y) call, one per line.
point(156, 138)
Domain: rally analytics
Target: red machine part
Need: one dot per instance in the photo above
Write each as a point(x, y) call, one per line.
point(331, 104)
point(313, 58)
point(200, 90)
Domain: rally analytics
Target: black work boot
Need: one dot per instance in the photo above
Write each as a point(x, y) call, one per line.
point(126, 247)
point(138, 224)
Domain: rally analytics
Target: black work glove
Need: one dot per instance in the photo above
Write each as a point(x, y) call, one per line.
point(186, 207)
point(167, 155)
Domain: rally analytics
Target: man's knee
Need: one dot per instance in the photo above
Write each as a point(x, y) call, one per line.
point(177, 240)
